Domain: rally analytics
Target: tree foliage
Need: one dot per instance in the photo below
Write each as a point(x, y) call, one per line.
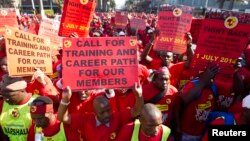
point(231, 4)
point(6, 3)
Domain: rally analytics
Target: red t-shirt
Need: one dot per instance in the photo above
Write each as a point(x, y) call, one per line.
point(196, 112)
point(76, 104)
point(71, 135)
point(127, 131)
point(165, 104)
point(176, 71)
point(186, 75)
point(245, 75)
point(236, 107)
point(156, 62)
point(125, 100)
point(86, 124)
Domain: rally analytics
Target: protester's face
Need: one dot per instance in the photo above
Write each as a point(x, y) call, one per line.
point(161, 81)
point(40, 120)
point(3, 63)
point(150, 126)
point(12, 97)
point(166, 57)
point(103, 112)
point(83, 95)
point(246, 115)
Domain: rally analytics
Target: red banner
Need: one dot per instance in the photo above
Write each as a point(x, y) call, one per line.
point(195, 29)
point(93, 63)
point(121, 19)
point(138, 24)
point(173, 22)
point(7, 17)
point(76, 17)
point(221, 41)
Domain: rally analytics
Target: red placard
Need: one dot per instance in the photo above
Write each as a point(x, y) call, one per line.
point(76, 17)
point(137, 23)
point(173, 22)
point(7, 17)
point(221, 41)
point(121, 19)
point(93, 63)
point(195, 29)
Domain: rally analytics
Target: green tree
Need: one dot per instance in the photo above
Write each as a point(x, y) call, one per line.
point(6, 3)
point(112, 4)
point(129, 4)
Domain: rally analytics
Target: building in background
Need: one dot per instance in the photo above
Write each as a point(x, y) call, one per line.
point(26, 6)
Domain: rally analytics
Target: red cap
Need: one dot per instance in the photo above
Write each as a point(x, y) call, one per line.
point(41, 109)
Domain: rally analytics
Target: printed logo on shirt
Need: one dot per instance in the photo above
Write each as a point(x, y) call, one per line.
point(162, 107)
point(168, 100)
point(205, 105)
point(50, 139)
point(210, 97)
point(14, 131)
point(33, 109)
point(15, 113)
point(177, 12)
point(201, 115)
point(231, 22)
point(36, 91)
point(113, 136)
point(225, 101)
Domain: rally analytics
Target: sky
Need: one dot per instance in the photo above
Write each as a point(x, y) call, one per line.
point(119, 3)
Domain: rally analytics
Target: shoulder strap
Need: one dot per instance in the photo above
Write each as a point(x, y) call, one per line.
point(157, 97)
point(165, 133)
point(135, 135)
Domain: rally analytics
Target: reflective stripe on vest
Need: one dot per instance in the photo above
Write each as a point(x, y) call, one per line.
point(16, 120)
point(135, 136)
point(60, 136)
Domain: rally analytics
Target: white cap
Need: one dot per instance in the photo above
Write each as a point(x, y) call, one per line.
point(121, 33)
point(246, 102)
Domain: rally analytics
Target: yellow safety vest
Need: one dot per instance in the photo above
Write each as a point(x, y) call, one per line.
point(135, 136)
point(60, 136)
point(15, 120)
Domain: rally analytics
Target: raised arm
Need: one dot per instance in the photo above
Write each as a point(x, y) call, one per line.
point(139, 100)
point(145, 54)
point(63, 115)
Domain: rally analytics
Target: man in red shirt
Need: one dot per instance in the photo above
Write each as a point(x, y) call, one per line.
point(156, 59)
point(161, 93)
point(148, 128)
point(102, 125)
point(46, 124)
point(195, 102)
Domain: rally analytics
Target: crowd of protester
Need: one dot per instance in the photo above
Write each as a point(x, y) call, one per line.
point(170, 102)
